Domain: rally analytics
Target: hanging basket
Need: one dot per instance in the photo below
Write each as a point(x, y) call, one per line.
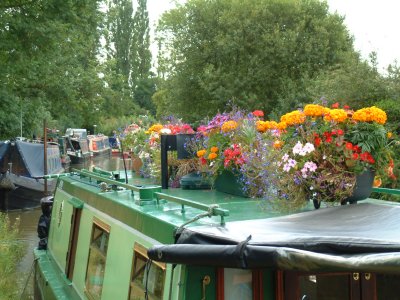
point(362, 189)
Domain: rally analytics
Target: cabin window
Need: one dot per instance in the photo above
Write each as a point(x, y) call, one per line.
point(97, 259)
point(146, 274)
point(345, 285)
point(239, 284)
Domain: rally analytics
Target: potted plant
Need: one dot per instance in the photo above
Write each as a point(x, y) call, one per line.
point(227, 140)
point(328, 154)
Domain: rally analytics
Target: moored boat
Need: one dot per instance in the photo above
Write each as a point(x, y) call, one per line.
point(77, 146)
point(110, 239)
point(23, 169)
point(99, 145)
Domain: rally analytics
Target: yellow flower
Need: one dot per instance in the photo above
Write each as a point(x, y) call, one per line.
point(260, 126)
point(201, 153)
point(293, 118)
point(214, 149)
point(315, 110)
point(338, 115)
point(263, 126)
point(282, 125)
point(212, 156)
point(277, 144)
point(389, 135)
point(370, 114)
point(229, 126)
point(155, 128)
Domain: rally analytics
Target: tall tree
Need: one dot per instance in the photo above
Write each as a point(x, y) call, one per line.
point(119, 36)
point(140, 47)
point(261, 53)
point(48, 61)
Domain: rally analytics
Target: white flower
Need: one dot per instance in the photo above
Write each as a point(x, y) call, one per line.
point(165, 131)
point(298, 148)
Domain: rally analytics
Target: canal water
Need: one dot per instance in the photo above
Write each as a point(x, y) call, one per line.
point(28, 224)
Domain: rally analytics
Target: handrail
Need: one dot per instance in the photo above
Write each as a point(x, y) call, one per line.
point(107, 180)
point(214, 210)
point(50, 176)
point(386, 191)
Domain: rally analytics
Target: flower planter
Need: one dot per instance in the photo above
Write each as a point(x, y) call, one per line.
point(362, 189)
point(181, 140)
point(229, 182)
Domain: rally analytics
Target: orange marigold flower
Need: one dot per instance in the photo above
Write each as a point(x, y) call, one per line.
point(214, 149)
point(201, 153)
point(293, 118)
point(277, 144)
point(370, 114)
point(315, 110)
point(229, 126)
point(338, 115)
point(212, 156)
point(260, 125)
point(282, 125)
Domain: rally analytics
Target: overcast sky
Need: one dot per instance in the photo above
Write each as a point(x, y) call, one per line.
point(375, 24)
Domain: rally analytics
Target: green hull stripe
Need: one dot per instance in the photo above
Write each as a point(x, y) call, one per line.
point(75, 202)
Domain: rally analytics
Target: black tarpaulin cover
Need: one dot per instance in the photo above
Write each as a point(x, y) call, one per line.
point(362, 237)
point(33, 157)
point(4, 146)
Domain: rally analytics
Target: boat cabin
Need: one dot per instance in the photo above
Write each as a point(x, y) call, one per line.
point(116, 236)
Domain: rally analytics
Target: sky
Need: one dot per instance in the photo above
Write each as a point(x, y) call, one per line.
point(375, 25)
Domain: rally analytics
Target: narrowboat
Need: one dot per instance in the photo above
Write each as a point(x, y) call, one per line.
point(77, 146)
point(22, 171)
point(99, 145)
point(111, 235)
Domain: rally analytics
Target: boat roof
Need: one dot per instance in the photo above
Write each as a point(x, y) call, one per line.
point(247, 233)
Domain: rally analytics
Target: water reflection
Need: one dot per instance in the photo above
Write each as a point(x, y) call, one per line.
point(29, 219)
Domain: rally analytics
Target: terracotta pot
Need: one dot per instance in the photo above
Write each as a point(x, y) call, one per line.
point(136, 163)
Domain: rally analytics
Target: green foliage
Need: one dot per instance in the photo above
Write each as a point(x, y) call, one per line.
point(11, 252)
point(260, 53)
point(48, 56)
point(354, 83)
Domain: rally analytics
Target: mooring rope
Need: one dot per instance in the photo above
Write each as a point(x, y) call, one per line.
point(209, 213)
point(29, 276)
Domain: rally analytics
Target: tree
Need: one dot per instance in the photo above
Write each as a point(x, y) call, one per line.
point(355, 83)
point(48, 61)
point(140, 47)
point(260, 53)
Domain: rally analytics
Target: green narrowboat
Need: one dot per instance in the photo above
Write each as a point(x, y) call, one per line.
point(114, 237)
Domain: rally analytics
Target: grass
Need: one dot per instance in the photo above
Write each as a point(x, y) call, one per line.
point(11, 252)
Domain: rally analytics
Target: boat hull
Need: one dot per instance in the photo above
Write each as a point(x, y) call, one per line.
point(20, 198)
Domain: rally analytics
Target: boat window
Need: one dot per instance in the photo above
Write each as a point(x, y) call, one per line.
point(97, 259)
point(148, 274)
point(239, 284)
point(324, 287)
point(342, 285)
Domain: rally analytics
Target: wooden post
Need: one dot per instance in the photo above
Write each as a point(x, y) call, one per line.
point(45, 156)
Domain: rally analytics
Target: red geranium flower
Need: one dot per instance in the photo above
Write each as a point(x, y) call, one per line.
point(258, 113)
point(335, 105)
